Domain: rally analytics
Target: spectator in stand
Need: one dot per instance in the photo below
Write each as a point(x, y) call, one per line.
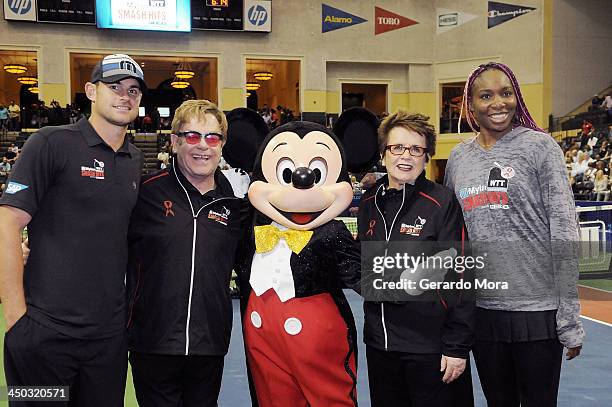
point(601, 191)
point(147, 122)
point(595, 103)
point(607, 105)
point(589, 173)
point(602, 165)
point(581, 165)
point(5, 167)
point(4, 117)
point(162, 157)
point(587, 126)
point(14, 115)
point(571, 155)
point(11, 155)
point(593, 140)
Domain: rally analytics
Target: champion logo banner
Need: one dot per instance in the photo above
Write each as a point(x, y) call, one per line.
point(499, 13)
point(450, 19)
point(386, 21)
point(333, 18)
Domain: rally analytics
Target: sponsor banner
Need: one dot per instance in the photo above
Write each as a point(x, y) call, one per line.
point(218, 15)
point(258, 15)
point(450, 19)
point(499, 13)
point(334, 19)
point(385, 21)
point(22, 10)
point(67, 11)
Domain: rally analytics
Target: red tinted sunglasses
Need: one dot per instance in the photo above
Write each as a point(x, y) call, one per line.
point(212, 139)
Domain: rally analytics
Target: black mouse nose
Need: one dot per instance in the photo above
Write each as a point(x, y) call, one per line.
point(303, 178)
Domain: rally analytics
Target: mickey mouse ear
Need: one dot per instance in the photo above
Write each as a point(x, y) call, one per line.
point(246, 130)
point(357, 128)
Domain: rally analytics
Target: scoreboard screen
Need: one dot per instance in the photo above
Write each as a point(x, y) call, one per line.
point(217, 14)
point(67, 11)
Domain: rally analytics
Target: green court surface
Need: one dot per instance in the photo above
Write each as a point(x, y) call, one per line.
point(602, 284)
point(130, 397)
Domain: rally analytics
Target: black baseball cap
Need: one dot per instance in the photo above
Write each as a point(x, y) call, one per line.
point(116, 67)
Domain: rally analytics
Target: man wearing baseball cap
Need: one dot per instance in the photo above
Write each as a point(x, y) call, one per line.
point(74, 187)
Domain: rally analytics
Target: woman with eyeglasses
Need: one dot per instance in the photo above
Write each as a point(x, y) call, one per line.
point(418, 346)
point(183, 236)
point(512, 184)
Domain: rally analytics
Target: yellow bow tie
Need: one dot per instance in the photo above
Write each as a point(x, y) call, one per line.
point(267, 236)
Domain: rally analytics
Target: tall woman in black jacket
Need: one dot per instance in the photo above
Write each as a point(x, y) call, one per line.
point(414, 349)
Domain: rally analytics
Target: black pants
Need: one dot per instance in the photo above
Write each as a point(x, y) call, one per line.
point(95, 370)
point(520, 373)
point(413, 380)
point(173, 380)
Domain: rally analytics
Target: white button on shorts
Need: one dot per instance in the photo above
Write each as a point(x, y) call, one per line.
point(256, 319)
point(293, 326)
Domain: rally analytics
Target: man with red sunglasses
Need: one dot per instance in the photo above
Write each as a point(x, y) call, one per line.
point(183, 236)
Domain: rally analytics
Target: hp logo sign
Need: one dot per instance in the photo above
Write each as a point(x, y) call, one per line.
point(20, 6)
point(258, 15)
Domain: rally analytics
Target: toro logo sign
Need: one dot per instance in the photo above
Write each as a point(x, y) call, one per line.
point(386, 20)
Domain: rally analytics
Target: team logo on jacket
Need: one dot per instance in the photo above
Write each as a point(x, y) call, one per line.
point(493, 195)
point(95, 172)
point(414, 229)
point(221, 216)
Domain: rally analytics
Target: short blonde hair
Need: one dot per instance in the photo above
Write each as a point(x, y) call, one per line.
point(197, 109)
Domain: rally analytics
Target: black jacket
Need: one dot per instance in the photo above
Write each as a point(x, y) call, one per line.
point(182, 251)
point(436, 321)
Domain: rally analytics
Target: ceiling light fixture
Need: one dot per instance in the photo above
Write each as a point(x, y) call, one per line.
point(252, 86)
point(27, 80)
point(15, 68)
point(263, 75)
point(178, 83)
point(184, 71)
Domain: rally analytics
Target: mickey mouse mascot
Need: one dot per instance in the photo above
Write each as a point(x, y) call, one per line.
point(299, 331)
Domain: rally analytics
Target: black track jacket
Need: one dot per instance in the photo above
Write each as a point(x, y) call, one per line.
point(181, 260)
point(440, 322)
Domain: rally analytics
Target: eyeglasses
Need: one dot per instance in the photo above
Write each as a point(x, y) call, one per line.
point(398, 149)
point(212, 139)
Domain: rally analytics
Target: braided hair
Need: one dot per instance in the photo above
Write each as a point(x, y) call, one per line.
point(521, 116)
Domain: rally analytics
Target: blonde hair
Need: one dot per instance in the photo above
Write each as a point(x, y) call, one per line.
point(197, 109)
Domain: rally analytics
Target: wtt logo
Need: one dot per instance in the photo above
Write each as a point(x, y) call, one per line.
point(258, 15)
point(20, 6)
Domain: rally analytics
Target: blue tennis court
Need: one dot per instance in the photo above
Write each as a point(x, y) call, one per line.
point(585, 381)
